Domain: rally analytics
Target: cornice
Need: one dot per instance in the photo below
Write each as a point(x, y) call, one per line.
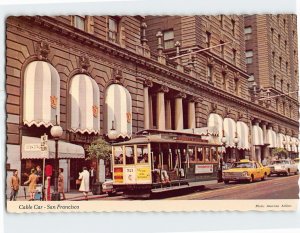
point(68, 31)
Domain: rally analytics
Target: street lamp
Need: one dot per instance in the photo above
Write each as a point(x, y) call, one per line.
point(297, 144)
point(291, 146)
point(284, 142)
point(223, 140)
point(236, 141)
point(56, 132)
point(112, 134)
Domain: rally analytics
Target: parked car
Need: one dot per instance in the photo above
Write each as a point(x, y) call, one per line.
point(246, 170)
point(284, 167)
point(107, 187)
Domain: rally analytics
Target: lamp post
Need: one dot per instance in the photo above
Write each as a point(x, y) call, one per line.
point(236, 141)
point(291, 146)
point(56, 132)
point(297, 144)
point(284, 142)
point(220, 177)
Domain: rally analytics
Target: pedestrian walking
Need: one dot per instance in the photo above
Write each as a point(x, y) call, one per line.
point(84, 176)
point(92, 176)
point(14, 184)
point(61, 186)
point(32, 180)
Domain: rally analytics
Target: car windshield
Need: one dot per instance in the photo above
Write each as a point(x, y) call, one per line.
point(243, 165)
point(280, 162)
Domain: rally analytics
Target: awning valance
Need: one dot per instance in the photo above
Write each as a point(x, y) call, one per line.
point(294, 145)
point(216, 121)
point(257, 136)
point(41, 98)
point(288, 143)
point(31, 149)
point(119, 109)
point(230, 131)
point(243, 135)
point(272, 138)
point(280, 138)
point(85, 104)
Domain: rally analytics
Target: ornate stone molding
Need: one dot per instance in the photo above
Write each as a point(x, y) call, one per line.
point(236, 76)
point(117, 75)
point(84, 63)
point(213, 108)
point(224, 69)
point(163, 88)
point(210, 61)
point(181, 95)
point(43, 50)
point(148, 83)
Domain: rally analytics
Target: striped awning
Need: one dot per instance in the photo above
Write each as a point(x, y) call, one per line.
point(119, 109)
point(216, 121)
point(288, 142)
point(41, 97)
point(280, 138)
point(31, 149)
point(257, 136)
point(85, 104)
point(230, 131)
point(243, 135)
point(294, 146)
point(272, 138)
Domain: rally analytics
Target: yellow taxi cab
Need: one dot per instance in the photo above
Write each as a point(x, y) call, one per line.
point(246, 170)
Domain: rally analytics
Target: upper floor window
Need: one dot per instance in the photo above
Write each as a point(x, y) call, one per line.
point(207, 39)
point(224, 81)
point(286, 67)
point(277, 104)
point(273, 57)
point(222, 48)
point(221, 20)
point(249, 56)
point(279, 40)
point(210, 73)
point(237, 86)
point(288, 88)
point(272, 34)
point(285, 45)
point(281, 84)
point(168, 39)
point(275, 81)
point(113, 29)
point(79, 22)
point(233, 26)
point(248, 33)
point(284, 24)
point(234, 56)
point(280, 63)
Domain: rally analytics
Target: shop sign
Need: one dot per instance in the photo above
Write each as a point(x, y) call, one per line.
point(118, 175)
point(143, 173)
point(32, 147)
point(203, 168)
point(129, 174)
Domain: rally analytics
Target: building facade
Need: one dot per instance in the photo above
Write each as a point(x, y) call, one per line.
point(131, 73)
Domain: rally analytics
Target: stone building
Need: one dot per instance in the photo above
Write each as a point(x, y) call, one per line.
point(132, 73)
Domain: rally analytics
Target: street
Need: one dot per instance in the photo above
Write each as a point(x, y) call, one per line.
point(272, 188)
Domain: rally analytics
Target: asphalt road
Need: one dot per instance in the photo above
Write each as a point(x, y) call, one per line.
point(272, 188)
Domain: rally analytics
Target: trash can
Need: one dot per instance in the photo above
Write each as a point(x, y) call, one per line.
point(97, 188)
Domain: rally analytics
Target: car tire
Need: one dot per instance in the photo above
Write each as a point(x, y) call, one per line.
point(288, 172)
point(226, 181)
point(251, 179)
point(264, 177)
point(297, 172)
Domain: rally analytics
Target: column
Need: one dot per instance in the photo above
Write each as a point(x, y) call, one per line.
point(160, 104)
point(191, 114)
point(179, 111)
point(265, 148)
point(147, 84)
point(168, 114)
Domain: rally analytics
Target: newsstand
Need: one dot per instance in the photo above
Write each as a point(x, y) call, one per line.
point(97, 188)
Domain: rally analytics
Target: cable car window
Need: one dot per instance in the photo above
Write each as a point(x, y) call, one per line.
point(129, 154)
point(207, 154)
point(118, 155)
point(199, 154)
point(142, 154)
point(192, 154)
point(214, 154)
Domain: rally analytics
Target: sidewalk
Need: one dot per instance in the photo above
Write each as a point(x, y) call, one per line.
point(70, 196)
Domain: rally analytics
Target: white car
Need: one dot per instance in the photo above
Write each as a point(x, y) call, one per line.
point(107, 187)
point(284, 167)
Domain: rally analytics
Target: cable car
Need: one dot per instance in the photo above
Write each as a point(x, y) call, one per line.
point(158, 161)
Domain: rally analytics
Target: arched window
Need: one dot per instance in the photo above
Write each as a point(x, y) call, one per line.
point(41, 96)
point(118, 105)
point(85, 104)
